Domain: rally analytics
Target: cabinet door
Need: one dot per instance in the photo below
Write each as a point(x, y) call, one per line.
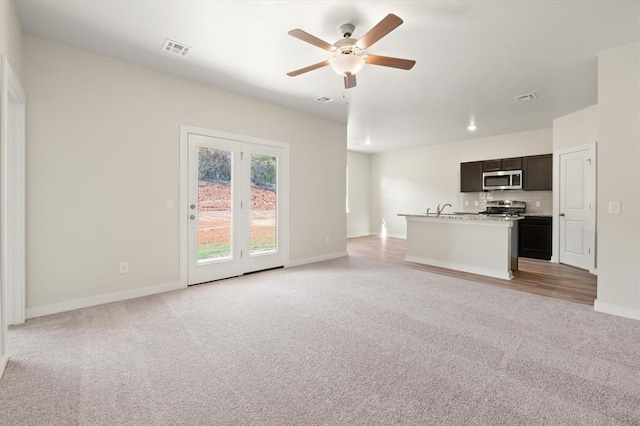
point(534, 237)
point(492, 165)
point(471, 177)
point(512, 163)
point(538, 173)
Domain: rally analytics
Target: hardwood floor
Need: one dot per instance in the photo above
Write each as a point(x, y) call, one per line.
point(534, 276)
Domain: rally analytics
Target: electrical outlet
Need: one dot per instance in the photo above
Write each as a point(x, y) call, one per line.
point(326, 240)
point(170, 204)
point(124, 267)
point(466, 203)
point(476, 203)
point(537, 203)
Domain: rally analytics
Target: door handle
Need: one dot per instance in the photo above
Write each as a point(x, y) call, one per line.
point(561, 214)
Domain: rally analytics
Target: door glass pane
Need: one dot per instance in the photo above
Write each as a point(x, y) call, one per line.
point(214, 204)
point(264, 172)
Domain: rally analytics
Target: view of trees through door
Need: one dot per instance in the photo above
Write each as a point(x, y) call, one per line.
point(215, 216)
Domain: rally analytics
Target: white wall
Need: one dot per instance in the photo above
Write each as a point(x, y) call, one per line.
point(578, 128)
point(619, 180)
point(11, 36)
point(358, 194)
point(412, 180)
point(103, 159)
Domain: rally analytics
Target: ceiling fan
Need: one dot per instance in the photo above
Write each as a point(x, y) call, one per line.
point(349, 57)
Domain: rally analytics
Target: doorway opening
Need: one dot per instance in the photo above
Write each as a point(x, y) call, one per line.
point(12, 204)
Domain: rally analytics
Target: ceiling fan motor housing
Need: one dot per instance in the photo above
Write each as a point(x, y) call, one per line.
point(347, 46)
point(347, 30)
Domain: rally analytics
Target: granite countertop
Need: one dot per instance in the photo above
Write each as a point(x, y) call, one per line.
point(463, 216)
point(538, 215)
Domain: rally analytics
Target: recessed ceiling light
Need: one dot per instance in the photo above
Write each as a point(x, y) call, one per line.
point(471, 127)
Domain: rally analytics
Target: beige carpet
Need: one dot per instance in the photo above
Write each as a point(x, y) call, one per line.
point(348, 341)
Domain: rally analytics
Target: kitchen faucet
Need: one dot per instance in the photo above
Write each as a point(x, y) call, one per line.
point(439, 210)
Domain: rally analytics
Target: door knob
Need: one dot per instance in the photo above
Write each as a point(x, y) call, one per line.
point(561, 214)
point(193, 216)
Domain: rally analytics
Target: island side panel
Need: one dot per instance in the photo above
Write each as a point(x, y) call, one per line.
point(478, 247)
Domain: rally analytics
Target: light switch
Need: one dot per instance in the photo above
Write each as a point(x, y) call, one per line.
point(614, 207)
point(466, 203)
point(169, 204)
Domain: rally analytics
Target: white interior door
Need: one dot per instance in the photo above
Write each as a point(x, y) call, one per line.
point(237, 211)
point(577, 208)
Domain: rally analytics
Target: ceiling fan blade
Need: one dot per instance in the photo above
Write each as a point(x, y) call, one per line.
point(305, 36)
point(349, 81)
point(307, 69)
point(386, 61)
point(384, 27)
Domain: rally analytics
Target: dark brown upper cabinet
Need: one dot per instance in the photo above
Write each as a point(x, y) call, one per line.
point(502, 164)
point(471, 176)
point(538, 173)
point(512, 163)
point(492, 165)
point(536, 170)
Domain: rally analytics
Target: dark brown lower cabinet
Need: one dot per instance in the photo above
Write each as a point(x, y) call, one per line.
point(534, 237)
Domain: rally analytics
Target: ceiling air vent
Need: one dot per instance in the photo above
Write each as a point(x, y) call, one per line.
point(324, 100)
point(525, 97)
point(176, 48)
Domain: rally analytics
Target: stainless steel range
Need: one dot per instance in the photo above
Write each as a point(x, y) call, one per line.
point(505, 208)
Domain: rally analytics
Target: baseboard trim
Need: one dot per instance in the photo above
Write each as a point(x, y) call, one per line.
point(315, 259)
point(620, 311)
point(365, 234)
point(401, 236)
point(71, 305)
point(463, 268)
point(3, 364)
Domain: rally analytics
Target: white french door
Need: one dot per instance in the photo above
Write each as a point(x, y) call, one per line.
point(236, 207)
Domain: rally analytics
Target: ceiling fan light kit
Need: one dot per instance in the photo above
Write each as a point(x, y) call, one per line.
point(347, 65)
point(348, 53)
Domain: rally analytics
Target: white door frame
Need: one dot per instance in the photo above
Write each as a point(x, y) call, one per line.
point(12, 204)
point(184, 208)
point(592, 148)
point(12, 211)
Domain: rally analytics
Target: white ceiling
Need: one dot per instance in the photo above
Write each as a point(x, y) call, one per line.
point(472, 57)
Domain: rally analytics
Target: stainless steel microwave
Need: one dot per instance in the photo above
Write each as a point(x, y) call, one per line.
point(508, 179)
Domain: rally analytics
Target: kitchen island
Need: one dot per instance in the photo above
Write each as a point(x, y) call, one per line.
point(477, 244)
